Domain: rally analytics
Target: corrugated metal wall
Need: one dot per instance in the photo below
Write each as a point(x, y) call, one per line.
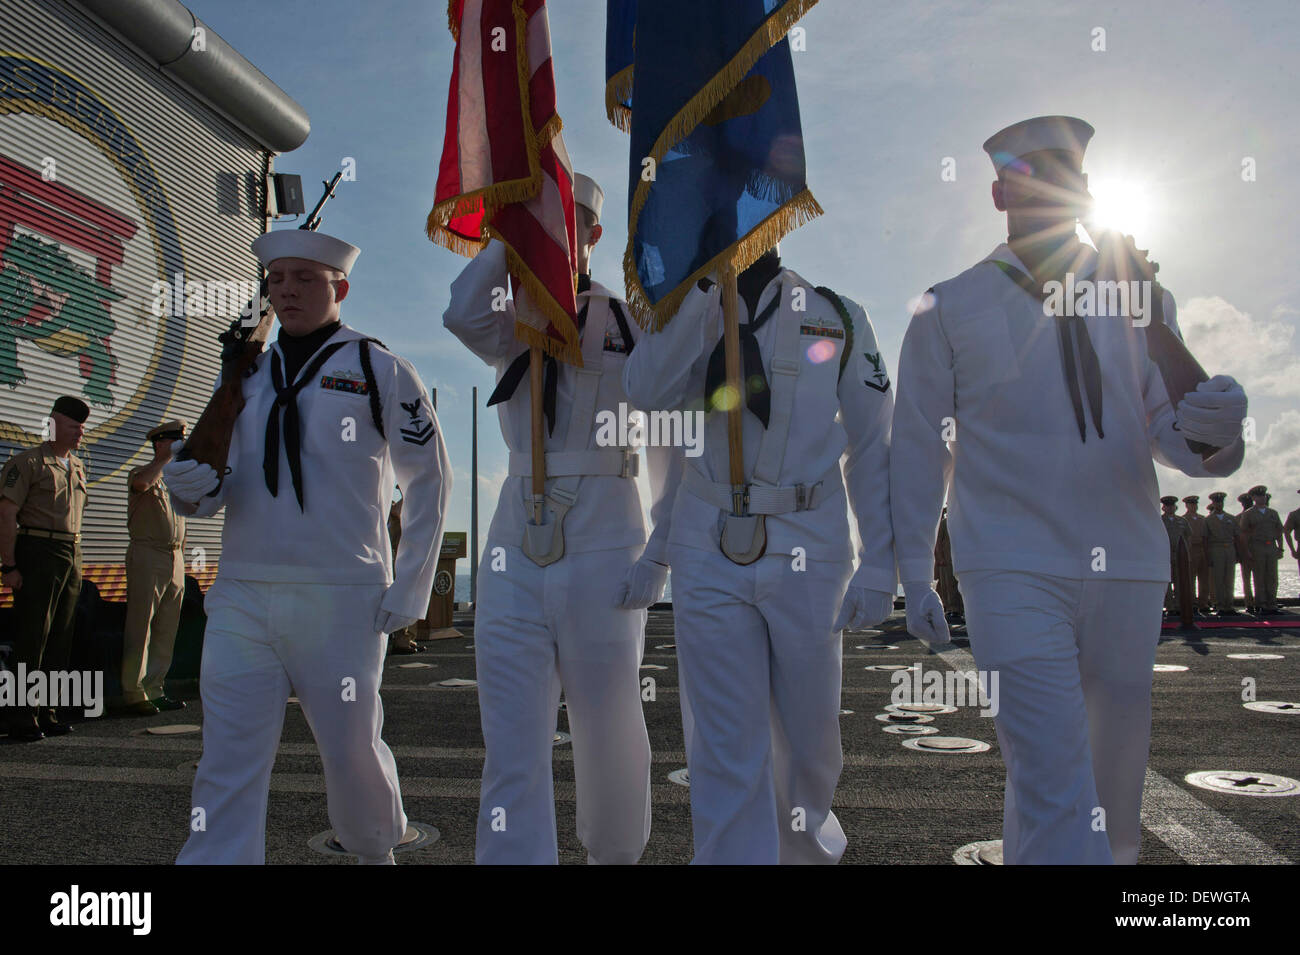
point(112, 178)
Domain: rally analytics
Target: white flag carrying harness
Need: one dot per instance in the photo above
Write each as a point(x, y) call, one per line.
point(744, 536)
point(544, 543)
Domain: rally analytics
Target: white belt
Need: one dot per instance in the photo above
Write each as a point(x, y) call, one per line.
point(766, 500)
point(607, 462)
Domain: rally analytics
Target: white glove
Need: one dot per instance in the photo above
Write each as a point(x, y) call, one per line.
point(925, 619)
point(388, 622)
point(190, 480)
point(643, 585)
point(1212, 414)
point(862, 608)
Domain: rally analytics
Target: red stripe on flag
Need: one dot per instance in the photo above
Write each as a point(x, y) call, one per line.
point(503, 81)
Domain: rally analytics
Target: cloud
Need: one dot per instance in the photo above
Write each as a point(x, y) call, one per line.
point(1273, 460)
point(1262, 354)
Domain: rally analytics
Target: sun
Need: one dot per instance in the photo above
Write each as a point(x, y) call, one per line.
point(1122, 204)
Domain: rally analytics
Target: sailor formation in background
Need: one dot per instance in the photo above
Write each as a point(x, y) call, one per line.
point(307, 589)
point(993, 408)
point(562, 606)
point(1254, 538)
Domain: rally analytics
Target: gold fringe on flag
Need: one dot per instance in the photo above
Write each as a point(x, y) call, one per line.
point(498, 195)
point(800, 209)
point(618, 89)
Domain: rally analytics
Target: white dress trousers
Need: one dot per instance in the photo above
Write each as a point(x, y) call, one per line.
point(539, 629)
point(264, 642)
point(765, 669)
point(1074, 661)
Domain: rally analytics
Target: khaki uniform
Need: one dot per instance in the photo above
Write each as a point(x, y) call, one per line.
point(1243, 558)
point(1175, 527)
point(51, 498)
point(1221, 531)
point(1197, 546)
point(1263, 530)
point(155, 586)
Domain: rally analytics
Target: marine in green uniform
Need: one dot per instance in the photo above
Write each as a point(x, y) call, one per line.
point(155, 580)
point(42, 497)
point(1261, 528)
point(1221, 530)
point(1175, 527)
point(1198, 544)
point(1292, 526)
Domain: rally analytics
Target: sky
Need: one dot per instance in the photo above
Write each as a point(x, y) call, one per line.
point(1198, 133)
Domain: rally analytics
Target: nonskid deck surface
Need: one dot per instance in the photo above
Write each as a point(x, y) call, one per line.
point(111, 792)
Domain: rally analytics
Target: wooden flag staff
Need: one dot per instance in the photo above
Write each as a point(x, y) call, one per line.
point(538, 435)
point(744, 536)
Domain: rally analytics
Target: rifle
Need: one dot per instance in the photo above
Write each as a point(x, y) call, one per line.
point(209, 440)
point(1179, 369)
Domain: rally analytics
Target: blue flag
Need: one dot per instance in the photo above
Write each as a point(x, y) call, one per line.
point(716, 172)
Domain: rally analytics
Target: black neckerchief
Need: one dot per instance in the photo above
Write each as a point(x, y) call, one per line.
point(286, 403)
point(514, 374)
point(1069, 328)
point(751, 282)
point(298, 348)
point(758, 396)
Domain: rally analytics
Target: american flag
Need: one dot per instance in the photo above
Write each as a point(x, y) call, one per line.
point(504, 172)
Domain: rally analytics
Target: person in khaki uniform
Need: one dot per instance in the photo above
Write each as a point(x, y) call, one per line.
point(1198, 544)
point(1175, 527)
point(155, 580)
point(1291, 526)
point(1221, 531)
point(42, 497)
point(1243, 554)
point(1261, 529)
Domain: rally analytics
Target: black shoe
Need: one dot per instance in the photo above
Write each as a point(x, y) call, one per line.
point(167, 703)
point(143, 708)
point(52, 728)
point(26, 733)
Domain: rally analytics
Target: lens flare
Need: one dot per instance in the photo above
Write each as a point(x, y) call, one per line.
point(820, 351)
point(1122, 205)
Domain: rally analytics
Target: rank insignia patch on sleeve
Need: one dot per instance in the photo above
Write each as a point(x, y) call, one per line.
point(879, 379)
point(417, 430)
point(11, 476)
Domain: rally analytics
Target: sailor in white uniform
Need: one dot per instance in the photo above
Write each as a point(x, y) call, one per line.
point(760, 641)
point(307, 588)
point(576, 623)
point(1013, 410)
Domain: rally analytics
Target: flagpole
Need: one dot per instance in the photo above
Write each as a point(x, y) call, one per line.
point(473, 502)
point(539, 441)
point(731, 347)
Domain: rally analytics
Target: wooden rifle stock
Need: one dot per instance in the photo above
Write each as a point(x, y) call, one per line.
point(1179, 369)
point(209, 440)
